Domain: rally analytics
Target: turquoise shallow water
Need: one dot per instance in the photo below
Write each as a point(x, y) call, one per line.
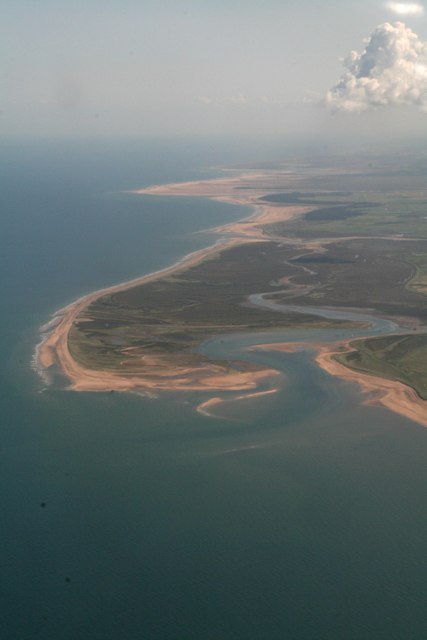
point(299, 515)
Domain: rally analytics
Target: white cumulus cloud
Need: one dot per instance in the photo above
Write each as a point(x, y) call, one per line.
point(391, 71)
point(406, 8)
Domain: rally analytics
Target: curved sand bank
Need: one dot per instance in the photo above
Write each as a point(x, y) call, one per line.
point(390, 394)
point(232, 190)
point(393, 395)
point(204, 407)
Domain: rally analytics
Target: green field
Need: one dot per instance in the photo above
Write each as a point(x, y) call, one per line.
point(386, 276)
point(366, 214)
point(173, 315)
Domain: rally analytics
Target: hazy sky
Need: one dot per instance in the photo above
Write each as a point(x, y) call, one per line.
point(202, 66)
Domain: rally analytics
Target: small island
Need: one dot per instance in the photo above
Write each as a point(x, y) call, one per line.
point(329, 246)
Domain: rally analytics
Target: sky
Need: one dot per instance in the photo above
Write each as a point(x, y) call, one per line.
point(204, 67)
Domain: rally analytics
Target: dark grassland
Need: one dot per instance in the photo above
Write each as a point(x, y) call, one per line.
point(381, 215)
point(175, 314)
point(382, 275)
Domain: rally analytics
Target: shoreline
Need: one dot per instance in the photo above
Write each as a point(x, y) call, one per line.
point(53, 348)
point(391, 394)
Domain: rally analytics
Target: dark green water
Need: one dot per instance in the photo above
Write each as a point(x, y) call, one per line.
point(296, 516)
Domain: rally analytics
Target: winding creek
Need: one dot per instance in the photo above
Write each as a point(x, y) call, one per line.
point(236, 343)
point(297, 365)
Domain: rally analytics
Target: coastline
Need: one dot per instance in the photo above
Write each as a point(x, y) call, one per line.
point(53, 349)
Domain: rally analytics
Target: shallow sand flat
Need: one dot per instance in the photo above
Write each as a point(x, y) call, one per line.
point(204, 407)
point(287, 347)
point(192, 380)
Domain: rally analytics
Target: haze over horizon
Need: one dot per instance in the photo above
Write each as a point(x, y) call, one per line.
point(348, 71)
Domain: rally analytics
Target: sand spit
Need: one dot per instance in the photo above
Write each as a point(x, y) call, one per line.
point(204, 407)
point(390, 394)
point(232, 190)
point(239, 189)
point(393, 395)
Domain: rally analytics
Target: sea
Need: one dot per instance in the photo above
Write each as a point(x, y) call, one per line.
point(294, 516)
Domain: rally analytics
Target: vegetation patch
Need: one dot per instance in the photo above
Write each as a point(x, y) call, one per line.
point(401, 358)
point(172, 316)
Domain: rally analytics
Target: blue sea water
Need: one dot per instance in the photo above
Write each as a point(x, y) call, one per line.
point(297, 516)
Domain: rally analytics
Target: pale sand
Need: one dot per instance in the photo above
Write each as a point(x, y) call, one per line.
point(204, 407)
point(229, 190)
point(266, 214)
point(217, 187)
point(287, 347)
